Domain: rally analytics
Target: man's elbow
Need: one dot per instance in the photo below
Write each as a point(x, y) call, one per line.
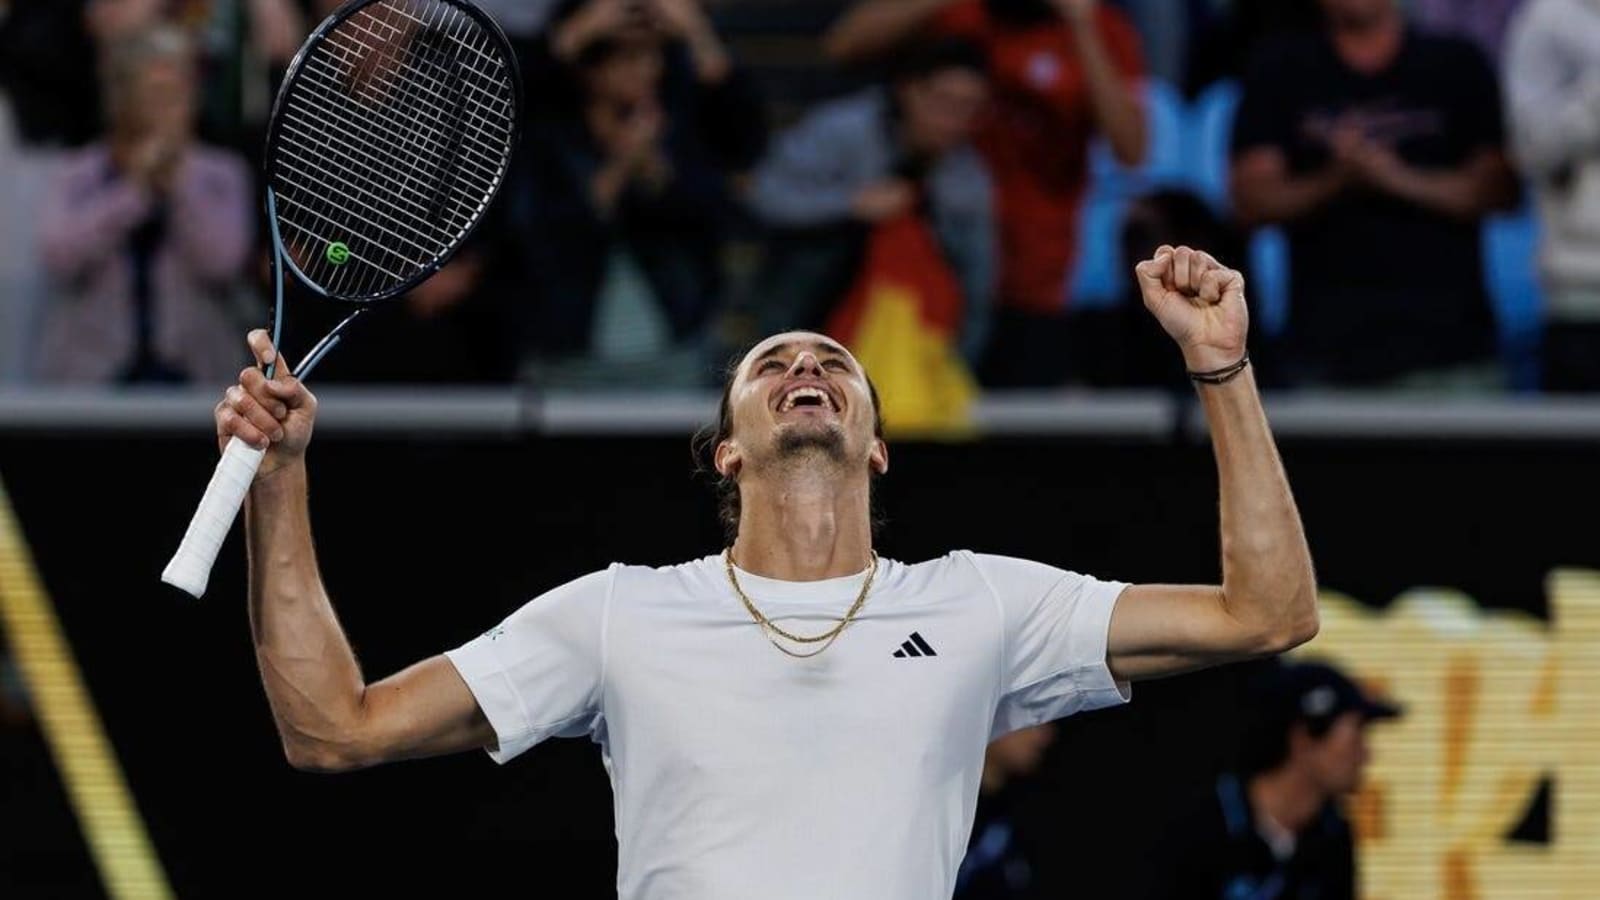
point(344, 752)
point(1298, 627)
point(1301, 632)
point(321, 758)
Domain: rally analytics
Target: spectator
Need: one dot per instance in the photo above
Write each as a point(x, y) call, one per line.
point(146, 232)
point(1553, 82)
point(1274, 828)
point(1000, 860)
point(1061, 70)
point(620, 222)
point(871, 157)
point(1378, 147)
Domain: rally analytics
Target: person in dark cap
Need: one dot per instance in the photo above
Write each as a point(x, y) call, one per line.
point(1273, 829)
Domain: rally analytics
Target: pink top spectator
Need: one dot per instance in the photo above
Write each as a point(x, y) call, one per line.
point(197, 304)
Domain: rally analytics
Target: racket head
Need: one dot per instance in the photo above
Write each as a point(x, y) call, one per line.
point(391, 134)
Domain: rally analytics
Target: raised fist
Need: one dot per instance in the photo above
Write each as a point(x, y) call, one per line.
point(1200, 303)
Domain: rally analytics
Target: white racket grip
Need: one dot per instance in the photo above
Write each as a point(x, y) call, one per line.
point(190, 567)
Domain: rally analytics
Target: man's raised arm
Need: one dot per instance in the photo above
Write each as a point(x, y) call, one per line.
point(873, 27)
point(328, 717)
point(1267, 602)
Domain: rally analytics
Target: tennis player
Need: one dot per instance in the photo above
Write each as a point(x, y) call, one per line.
point(794, 717)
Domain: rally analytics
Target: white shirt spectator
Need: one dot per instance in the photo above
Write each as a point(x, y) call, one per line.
point(1553, 87)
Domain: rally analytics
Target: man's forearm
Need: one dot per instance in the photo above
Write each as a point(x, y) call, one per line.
point(1267, 579)
point(1483, 185)
point(876, 26)
point(1116, 110)
point(1262, 199)
point(313, 682)
point(710, 57)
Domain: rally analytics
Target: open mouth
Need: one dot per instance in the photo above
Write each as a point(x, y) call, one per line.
point(807, 397)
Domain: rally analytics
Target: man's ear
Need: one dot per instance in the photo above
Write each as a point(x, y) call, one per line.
point(879, 456)
point(727, 459)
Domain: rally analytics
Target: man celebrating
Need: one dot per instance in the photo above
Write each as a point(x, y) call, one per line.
point(793, 717)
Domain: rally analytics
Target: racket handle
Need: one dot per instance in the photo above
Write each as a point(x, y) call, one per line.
point(190, 567)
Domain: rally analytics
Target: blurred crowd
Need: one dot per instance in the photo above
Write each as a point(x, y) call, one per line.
point(956, 188)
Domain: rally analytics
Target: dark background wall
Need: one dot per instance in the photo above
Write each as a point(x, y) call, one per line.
point(425, 544)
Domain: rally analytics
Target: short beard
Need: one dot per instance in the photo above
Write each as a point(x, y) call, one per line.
point(793, 443)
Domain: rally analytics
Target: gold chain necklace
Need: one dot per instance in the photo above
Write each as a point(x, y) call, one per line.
point(769, 628)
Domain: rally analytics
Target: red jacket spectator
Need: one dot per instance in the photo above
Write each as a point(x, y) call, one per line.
point(1062, 70)
point(1035, 139)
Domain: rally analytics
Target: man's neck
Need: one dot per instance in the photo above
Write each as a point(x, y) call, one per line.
point(1370, 45)
point(1287, 797)
point(804, 524)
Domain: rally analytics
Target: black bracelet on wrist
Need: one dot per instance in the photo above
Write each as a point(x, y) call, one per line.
point(1222, 375)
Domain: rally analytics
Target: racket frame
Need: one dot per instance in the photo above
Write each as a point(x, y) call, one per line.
point(320, 33)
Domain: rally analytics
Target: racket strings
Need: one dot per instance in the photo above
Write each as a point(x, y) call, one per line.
point(423, 88)
point(392, 137)
point(399, 238)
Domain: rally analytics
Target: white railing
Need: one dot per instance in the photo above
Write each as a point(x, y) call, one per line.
point(1150, 416)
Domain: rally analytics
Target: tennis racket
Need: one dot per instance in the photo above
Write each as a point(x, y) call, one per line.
point(391, 134)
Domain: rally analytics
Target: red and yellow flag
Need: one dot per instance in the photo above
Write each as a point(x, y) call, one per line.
point(901, 318)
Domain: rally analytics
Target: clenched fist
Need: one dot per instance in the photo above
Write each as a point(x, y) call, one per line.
point(275, 415)
point(1200, 303)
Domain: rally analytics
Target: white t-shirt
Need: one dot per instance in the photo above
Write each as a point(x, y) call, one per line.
point(740, 772)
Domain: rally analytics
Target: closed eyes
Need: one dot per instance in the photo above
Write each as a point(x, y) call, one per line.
point(771, 365)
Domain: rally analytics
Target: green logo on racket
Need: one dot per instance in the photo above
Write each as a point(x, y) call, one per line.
point(338, 253)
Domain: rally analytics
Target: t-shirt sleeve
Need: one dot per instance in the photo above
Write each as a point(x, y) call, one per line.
point(1055, 625)
point(539, 673)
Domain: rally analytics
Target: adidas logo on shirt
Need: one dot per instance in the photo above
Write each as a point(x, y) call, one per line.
point(914, 646)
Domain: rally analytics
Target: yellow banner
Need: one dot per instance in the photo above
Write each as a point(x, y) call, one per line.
point(1495, 703)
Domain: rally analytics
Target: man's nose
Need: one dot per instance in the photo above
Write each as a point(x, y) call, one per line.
point(805, 363)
